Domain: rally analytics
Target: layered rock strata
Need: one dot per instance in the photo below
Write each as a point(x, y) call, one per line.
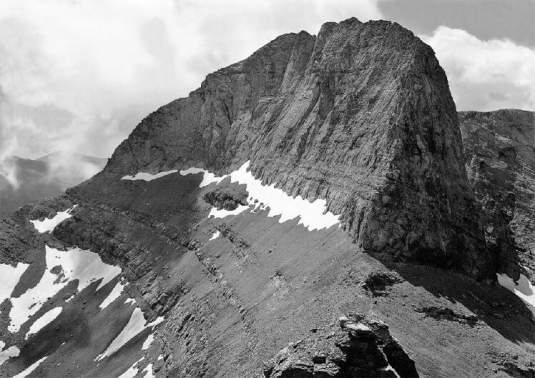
point(360, 115)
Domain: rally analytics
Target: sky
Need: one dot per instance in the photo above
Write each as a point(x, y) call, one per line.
point(78, 75)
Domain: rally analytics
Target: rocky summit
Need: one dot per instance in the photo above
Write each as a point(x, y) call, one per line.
point(315, 210)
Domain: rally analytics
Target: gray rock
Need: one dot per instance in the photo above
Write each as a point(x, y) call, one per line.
point(500, 161)
point(360, 348)
point(360, 115)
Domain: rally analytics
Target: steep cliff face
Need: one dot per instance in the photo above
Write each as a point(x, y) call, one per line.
point(500, 161)
point(360, 115)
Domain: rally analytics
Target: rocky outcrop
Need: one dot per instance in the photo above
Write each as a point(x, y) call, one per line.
point(377, 283)
point(446, 313)
point(500, 161)
point(359, 348)
point(514, 371)
point(360, 115)
point(227, 197)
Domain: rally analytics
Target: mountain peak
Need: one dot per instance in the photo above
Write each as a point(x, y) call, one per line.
point(277, 219)
point(360, 116)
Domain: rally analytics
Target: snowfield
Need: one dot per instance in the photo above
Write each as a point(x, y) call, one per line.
point(134, 327)
point(215, 235)
point(216, 213)
point(148, 176)
point(148, 341)
point(30, 368)
point(45, 319)
point(132, 370)
point(148, 371)
point(9, 278)
point(312, 215)
point(75, 264)
point(112, 296)
point(522, 289)
point(6, 354)
point(48, 224)
point(207, 179)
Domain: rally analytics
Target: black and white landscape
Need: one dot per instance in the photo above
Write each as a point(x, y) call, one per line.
point(31, 180)
point(321, 208)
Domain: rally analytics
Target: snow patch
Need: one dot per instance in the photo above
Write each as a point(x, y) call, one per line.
point(390, 368)
point(207, 179)
point(148, 176)
point(112, 296)
point(130, 301)
point(135, 325)
point(76, 264)
point(30, 368)
point(9, 278)
point(522, 289)
point(148, 371)
point(48, 224)
point(156, 321)
point(215, 235)
point(148, 341)
point(6, 354)
point(46, 318)
point(312, 215)
point(132, 370)
point(216, 213)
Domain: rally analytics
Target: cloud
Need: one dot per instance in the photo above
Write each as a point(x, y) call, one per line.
point(68, 169)
point(485, 19)
point(8, 170)
point(485, 75)
point(103, 64)
point(78, 75)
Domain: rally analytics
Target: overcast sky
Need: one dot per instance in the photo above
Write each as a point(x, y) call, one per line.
point(79, 74)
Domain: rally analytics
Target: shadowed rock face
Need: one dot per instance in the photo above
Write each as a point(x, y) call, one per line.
point(500, 161)
point(360, 115)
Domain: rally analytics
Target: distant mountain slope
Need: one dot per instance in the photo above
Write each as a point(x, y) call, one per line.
point(500, 159)
point(46, 177)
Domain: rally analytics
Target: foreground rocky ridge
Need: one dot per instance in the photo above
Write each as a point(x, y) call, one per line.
point(361, 348)
point(235, 290)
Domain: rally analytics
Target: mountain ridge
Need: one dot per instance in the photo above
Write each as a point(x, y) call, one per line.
point(216, 283)
point(306, 124)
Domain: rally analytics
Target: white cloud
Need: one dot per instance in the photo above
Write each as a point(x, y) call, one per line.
point(77, 75)
point(107, 63)
point(485, 75)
